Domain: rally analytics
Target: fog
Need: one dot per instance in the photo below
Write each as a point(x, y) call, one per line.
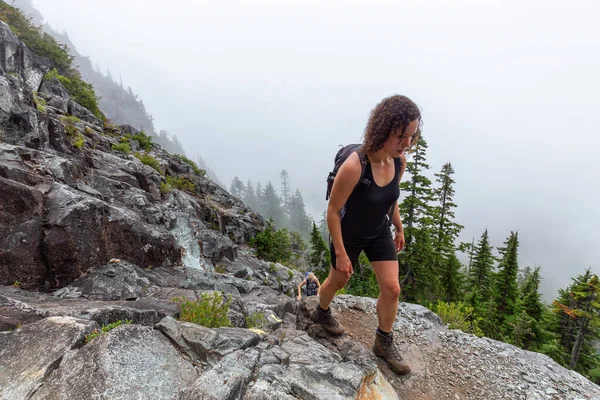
point(508, 92)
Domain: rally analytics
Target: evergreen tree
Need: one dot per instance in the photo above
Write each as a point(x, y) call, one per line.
point(579, 310)
point(319, 254)
point(272, 206)
point(452, 279)
point(423, 284)
point(323, 228)
point(506, 290)
point(445, 232)
point(250, 196)
point(260, 199)
point(286, 197)
point(299, 221)
point(414, 209)
point(237, 188)
point(531, 304)
point(480, 274)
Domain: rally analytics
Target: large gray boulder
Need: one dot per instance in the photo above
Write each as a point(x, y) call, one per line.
point(130, 361)
point(30, 354)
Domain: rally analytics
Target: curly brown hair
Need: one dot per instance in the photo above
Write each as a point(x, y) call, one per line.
point(392, 113)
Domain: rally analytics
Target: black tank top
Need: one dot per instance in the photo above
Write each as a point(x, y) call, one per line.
point(365, 214)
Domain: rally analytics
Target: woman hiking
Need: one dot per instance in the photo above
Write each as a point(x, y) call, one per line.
point(313, 286)
point(358, 219)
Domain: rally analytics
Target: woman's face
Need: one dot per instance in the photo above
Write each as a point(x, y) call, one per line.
point(400, 141)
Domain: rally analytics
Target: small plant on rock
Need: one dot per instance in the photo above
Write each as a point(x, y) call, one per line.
point(210, 310)
point(40, 103)
point(197, 170)
point(79, 141)
point(144, 140)
point(105, 328)
point(147, 159)
point(221, 269)
point(123, 146)
point(181, 183)
point(255, 320)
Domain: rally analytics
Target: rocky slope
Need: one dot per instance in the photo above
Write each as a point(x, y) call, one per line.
point(87, 238)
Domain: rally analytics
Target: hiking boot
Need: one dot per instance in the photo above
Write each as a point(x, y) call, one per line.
point(384, 348)
point(327, 321)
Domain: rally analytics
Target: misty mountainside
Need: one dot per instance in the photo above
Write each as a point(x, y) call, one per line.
point(126, 273)
point(119, 103)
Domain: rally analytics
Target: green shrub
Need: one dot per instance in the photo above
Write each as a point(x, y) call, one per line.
point(210, 310)
point(272, 245)
point(69, 119)
point(220, 269)
point(79, 90)
point(40, 103)
point(147, 159)
point(105, 328)
point(79, 141)
point(458, 316)
point(197, 170)
point(144, 140)
point(123, 147)
point(165, 188)
point(255, 320)
point(181, 183)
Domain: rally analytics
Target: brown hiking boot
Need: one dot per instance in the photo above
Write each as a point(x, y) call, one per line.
point(327, 321)
point(384, 348)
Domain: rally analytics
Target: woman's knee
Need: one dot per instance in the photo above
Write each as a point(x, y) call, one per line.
point(391, 291)
point(338, 280)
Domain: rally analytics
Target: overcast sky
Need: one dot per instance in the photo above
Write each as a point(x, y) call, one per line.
point(508, 91)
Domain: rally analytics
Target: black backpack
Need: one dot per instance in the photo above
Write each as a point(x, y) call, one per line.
point(340, 157)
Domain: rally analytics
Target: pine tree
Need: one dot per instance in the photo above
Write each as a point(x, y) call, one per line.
point(260, 199)
point(323, 228)
point(452, 279)
point(299, 221)
point(445, 232)
point(250, 196)
point(578, 309)
point(272, 206)
point(237, 188)
point(319, 255)
point(531, 304)
point(506, 289)
point(286, 197)
point(480, 274)
point(414, 210)
point(423, 284)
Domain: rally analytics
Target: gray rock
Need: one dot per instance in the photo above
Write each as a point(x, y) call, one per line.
point(21, 374)
point(130, 361)
point(205, 344)
point(228, 379)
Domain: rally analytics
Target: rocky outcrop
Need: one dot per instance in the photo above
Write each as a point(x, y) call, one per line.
point(285, 356)
point(70, 203)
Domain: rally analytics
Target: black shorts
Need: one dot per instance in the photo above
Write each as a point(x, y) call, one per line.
point(382, 248)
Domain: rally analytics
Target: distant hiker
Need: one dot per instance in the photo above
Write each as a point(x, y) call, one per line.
point(363, 191)
point(313, 286)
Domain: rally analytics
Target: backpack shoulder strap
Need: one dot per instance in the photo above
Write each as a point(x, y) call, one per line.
point(399, 163)
point(363, 163)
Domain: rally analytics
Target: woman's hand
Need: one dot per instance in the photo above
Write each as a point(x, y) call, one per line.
point(399, 240)
point(343, 264)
